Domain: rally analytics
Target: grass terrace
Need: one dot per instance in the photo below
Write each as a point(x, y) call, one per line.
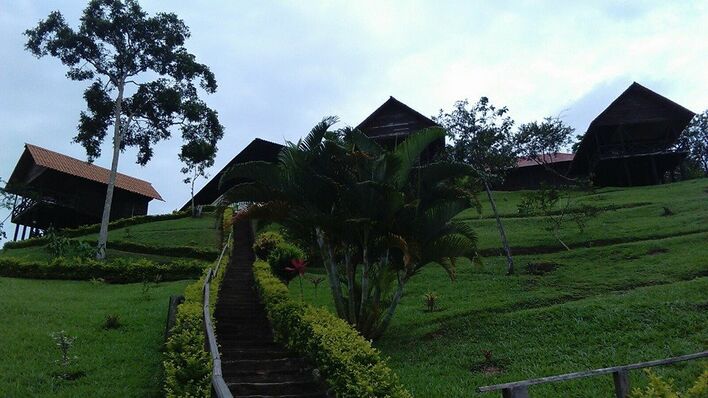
point(591, 307)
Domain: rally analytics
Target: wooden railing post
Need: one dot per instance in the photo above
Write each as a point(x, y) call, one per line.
point(516, 392)
point(621, 378)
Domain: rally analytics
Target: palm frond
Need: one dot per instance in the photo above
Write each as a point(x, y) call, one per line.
point(314, 138)
point(259, 171)
point(409, 151)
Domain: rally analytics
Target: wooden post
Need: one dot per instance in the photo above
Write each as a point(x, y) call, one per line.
point(654, 172)
point(621, 379)
point(24, 229)
point(516, 392)
point(17, 229)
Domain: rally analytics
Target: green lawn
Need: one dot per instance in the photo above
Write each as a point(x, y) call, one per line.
point(125, 362)
point(195, 232)
point(601, 306)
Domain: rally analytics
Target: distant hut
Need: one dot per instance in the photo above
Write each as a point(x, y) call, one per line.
point(630, 142)
point(532, 173)
point(56, 190)
point(258, 149)
point(393, 121)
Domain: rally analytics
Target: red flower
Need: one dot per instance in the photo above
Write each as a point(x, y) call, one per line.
point(298, 265)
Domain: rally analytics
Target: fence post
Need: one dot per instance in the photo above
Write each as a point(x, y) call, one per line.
point(516, 392)
point(621, 379)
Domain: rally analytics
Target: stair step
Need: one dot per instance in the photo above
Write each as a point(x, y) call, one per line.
point(269, 376)
point(257, 365)
point(275, 388)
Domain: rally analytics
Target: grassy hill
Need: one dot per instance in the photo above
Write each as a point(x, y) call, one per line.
point(633, 288)
point(125, 362)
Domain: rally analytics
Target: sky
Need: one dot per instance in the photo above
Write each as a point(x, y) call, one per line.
point(282, 66)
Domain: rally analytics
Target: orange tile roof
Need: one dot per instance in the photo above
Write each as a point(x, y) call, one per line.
point(549, 158)
point(67, 164)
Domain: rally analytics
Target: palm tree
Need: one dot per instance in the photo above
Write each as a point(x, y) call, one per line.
point(375, 216)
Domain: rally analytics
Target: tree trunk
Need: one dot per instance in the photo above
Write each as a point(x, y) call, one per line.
point(194, 177)
point(103, 234)
point(388, 315)
point(502, 234)
point(332, 274)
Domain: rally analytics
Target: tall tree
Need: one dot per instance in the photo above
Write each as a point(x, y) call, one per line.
point(481, 137)
point(197, 156)
point(120, 48)
point(694, 140)
point(376, 216)
point(540, 141)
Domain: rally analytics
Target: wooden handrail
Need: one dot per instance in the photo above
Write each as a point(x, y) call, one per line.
point(217, 379)
point(519, 389)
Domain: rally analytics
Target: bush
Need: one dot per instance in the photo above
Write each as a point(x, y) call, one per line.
point(187, 365)
point(281, 257)
point(265, 243)
point(119, 270)
point(349, 364)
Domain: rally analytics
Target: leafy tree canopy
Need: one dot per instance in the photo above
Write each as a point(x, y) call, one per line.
point(481, 135)
point(536, 140)
point(117, 45)
point(694, 140)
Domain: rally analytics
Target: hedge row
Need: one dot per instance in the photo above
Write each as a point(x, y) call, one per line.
point(347, 361)
point(170, 251)
point(187, 365)
point(95, 228)
point(119, 270)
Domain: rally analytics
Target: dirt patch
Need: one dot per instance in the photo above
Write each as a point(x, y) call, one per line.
point(541, 268)
point(435, 334)
point(657, 250)
point(489, 365)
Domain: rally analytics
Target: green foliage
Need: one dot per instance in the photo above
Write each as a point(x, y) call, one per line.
point(280, 258)
point(694, 140)
point(57, 245)
point(347, 361)
point(66, 360)
point(118, 270)
point(265, 243)
point(187, 365)
point(374, 216)
point(172, 251)
point(660, 388)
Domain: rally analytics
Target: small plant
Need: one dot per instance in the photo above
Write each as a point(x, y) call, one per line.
point(58, 245)
point(660, 388)
point(667, 212)
point(66, 361)
point(97, 281)
point(112, 321)
point(316, 280)
point(145, 290)
point(126, 233)
point(430, 299)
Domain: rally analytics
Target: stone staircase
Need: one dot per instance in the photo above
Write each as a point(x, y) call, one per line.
point(253, 364)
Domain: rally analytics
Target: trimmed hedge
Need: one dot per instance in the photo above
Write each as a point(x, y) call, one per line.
point(187, 365)
point(347, 361)
point(120, 270)
point(170, 251)
point(94, 228)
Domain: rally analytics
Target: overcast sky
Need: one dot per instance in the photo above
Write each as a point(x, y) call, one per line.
point(282, 66)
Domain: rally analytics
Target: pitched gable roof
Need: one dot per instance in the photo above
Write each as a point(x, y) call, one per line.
point(66, 164)
point(394, 118)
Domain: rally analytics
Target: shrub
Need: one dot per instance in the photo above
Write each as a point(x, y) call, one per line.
point(57, 245)
point(430, 299)
point(349, 364)
point(265, 243)
point(660, 388)
point(112, 321)
point(281, 258)
point(118, 270)
point(187, 365)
